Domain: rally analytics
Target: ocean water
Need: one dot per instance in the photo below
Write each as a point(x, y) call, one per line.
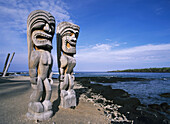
point(147, 91)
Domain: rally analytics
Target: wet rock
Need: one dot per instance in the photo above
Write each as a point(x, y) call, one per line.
point(88, 95)
point(128, 103)
point(113, 79)
point(99, 101)
point(164, 106)
point(106, 91)
point(165, 95)
point(155, 106)
point(145, 115)
point(153, 117)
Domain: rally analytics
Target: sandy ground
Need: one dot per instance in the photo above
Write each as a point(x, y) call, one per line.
point(14, 99)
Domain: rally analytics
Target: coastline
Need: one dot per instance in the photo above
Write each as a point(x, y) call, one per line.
point(129, 108)
point(96, 104)
point(145, 70)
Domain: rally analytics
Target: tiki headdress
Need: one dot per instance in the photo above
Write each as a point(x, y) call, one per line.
point(40, 31)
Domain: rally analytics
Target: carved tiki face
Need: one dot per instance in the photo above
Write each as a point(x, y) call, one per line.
point(68, 34)
point(41, 28)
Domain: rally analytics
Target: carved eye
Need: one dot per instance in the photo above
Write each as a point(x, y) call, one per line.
point(38, 25)
point(52, 26)
point(67, 34)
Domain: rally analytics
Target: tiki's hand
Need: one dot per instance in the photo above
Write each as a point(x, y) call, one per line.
point(33, 77)
point(62, 77)
point(50, 80)
point(33, 80)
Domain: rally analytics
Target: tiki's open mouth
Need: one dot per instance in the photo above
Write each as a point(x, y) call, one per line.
point(70, 44)
point(73, 43)
point(41, 38)
point(41, 35)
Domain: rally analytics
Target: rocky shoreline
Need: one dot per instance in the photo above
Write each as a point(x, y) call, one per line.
point(95, 103)
point(117, 104)
point(113, 79)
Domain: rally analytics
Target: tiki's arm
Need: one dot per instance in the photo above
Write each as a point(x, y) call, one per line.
point(73, 65)
point(34, 61)
point(63, 61)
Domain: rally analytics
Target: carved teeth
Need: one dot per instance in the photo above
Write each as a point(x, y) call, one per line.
point(40, 38)
point(72, 43)
point(43, 35)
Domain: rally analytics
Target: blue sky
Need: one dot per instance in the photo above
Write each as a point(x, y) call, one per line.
point(114, 34)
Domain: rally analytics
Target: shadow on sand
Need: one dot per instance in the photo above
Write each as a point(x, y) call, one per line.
point(56, 103)
point(10, 88)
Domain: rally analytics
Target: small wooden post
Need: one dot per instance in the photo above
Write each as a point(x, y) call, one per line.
point(8, 65)
point(6, 62)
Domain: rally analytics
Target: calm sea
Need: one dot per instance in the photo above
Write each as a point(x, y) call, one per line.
point(147, 91)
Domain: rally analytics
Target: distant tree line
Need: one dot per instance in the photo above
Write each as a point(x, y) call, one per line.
point(158, 70)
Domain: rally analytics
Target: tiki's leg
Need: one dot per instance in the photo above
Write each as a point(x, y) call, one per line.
point(64, 93)
point(71, 82)
point(47, 104)
point(64, 84)
point(37, 91)
point(71, 91)
point(48, 89)
point(38, 110)
point(35, 104)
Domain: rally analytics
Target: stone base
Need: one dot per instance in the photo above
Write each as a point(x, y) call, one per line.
point(68, 99)
point(39, 116)
point(39, 111)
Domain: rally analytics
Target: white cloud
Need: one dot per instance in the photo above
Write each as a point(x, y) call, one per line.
point(116, 44)
point(13, 23)
point(15, 12)
point(108, 39)
point(145, 48)
point(102, 47)
point(146, 55)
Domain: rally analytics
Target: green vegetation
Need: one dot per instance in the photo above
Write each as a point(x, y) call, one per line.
point(156, 70)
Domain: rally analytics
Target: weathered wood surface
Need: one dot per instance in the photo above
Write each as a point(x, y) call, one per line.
point(4, 74)
point(6, 62)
